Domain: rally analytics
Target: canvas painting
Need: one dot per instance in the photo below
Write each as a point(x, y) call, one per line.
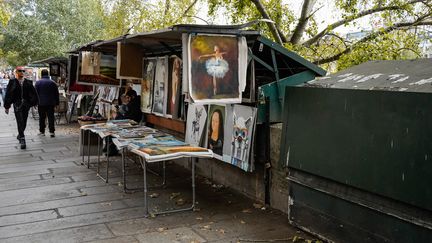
point(240, 125)
point(174, 83)
point(54, 69)
point(215, 130)
point(72, 85)
point(97, 69)
point(160, 86)
point(214, 69)
point(195, 124)
point(147, 84)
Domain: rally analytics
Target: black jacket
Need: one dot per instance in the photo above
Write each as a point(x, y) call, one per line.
point(13, 94)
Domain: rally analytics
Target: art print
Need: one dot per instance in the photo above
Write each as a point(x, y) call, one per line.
point(240, 125)
point(160, 86)
point(72, 85)
point(214, 69)
point(195, 124)
point(147, 84)
point(215, 130)
point(98, 68)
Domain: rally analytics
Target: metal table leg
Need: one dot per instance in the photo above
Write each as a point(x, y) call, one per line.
point(88, 149)
point(107, 161)
point(143, 163)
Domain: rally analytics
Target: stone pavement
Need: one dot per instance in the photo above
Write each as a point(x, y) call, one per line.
point(48, 195)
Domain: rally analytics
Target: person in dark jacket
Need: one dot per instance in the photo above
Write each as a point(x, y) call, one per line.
point(20, 93)
point(48, 98)
point(131, 106)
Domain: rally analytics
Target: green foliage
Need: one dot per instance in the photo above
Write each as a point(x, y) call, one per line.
point(40, 29)
point(397, 45)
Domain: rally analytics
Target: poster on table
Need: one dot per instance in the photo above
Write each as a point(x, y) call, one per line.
point(217, 68)
point(72, 85)
point(215, 130)
point(160, 86)
point(239, 134)
point(149, 68)
point(195, 124)
point(174, 85)
point(97, 69)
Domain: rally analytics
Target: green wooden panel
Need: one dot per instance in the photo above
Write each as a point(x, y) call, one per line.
point(343, 221)
point(276, 93)
point(378, 141)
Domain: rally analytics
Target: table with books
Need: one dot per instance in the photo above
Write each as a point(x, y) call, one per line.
point(151, 146)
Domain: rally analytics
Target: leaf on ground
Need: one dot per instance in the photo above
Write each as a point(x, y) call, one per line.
point(180, 202)
point(106, 204)
point(83, 194)
point(174, 195)
point(248, 210)
point(161, 229)
point(199, 218)
point(257, 205)
point(154, 195)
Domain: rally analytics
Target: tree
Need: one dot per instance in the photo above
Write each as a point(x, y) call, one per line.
point(133, 16)
point(39, 29)
point(325, 45)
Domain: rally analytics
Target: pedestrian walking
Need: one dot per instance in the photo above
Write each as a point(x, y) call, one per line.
point(48, 93)
point(20, 93)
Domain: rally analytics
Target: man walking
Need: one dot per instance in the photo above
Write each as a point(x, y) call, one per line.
point(20, 93)
point(48, 98)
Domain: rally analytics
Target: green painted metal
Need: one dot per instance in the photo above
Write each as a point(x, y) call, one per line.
point(275, 66)
point(319, 71)
point(340, 220)
point(276, 93)
point(263, 63)
point(378, 141)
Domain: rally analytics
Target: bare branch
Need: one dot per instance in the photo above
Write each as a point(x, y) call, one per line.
point(273, 29)
point(185, 13)
point(373, 36)
point(354, 17)
point(303, 20)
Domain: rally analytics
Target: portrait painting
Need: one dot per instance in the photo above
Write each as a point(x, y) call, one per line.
point(215, 130)
point(174, 83)
point(149, 68)
point(195, 124)
point(214, 69)
point(160, 86)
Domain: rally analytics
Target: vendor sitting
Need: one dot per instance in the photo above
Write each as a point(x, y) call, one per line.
point(130, 107)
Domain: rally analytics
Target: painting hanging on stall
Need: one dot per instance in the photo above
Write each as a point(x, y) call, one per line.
point(174, 83)
point(215, 130)
point(72, 85)
point(214, 69)
point(195, 124)
point(240, 128)
point(54, 69)
point(160, 86)
point(147, 84)
point(98, 68)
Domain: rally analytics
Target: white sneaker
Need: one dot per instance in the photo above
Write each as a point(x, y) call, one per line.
point(41, 134)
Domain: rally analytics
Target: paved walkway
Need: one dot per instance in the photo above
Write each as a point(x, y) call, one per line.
point(47, 195)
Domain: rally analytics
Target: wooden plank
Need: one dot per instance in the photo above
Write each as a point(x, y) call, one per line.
point(171, 124)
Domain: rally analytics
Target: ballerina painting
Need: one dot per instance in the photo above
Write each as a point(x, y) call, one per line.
point(213, 68)
point(216, 66)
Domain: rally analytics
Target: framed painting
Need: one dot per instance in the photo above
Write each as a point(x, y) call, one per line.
point(72, 85)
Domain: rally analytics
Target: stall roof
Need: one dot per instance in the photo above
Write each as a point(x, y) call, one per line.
point(50, 60)
point(169, 41)
point(396, 75)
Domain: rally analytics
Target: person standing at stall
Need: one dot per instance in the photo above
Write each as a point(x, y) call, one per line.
point(20, 93)
point(48, 93)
